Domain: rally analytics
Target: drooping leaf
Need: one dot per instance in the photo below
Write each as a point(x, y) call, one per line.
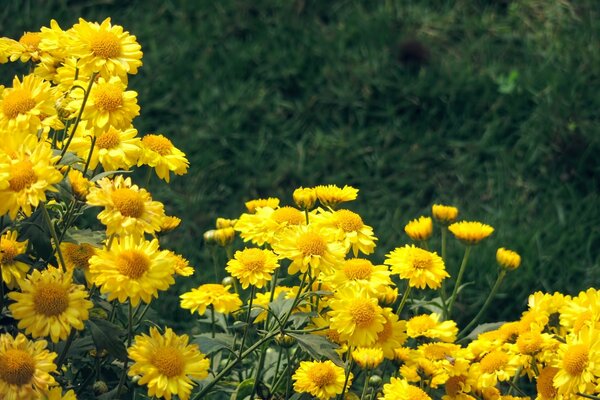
point(209, 345)
point(317, 347)
point(243, 390)
point(108, 336)
point(479, 329)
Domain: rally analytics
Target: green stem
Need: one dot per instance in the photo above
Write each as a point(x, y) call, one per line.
point(403, 301)
point(63, 353)
point(461, 271)
point(212, 321)
point(350, 362)
point(247, 327)
point(259, 367)
point(588, 396)
point(129, 338)
point(280, 354)
point(514, 386)
point(85, 98)
point(54, 236)
point(366, 384)
point(514, 381)
point(489, 299)
point(89, 157)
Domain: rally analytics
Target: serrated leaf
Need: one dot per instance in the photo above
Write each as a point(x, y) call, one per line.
point(107, 336)
point(209, 345)
point(317, 346)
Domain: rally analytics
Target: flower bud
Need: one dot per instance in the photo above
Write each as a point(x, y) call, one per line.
point(419, 229)
point(444, 214)
point(305, 198)
point(508, 259)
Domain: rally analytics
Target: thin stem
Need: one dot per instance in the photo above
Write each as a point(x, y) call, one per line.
point(129, 338)
point(514, 381)
point(212, 321)
point(247, 327)
point(89, 157)
point(350, 362)
point(63, 353)
point(280, 354)
point(403, 301)
point(54, 236)
point(461, 271)
point(514, 386)
point(366, 384)
point(85, 98)
point(482, 310)
point(259, 367)
point(588, 396)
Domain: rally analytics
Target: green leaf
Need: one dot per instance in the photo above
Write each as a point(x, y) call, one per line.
point(108, 173)
point(84, 236)
point(479, 329)
point(317, 346)
point(36, 231)
point(107, 336)
point(243, 390)
point(209, 345)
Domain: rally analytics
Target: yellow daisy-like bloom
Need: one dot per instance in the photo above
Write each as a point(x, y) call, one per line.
point(80, 185)
point(360, 272)
point(221, 223)
point(429, 326)
point(544, 384)
point(13, 270)
point(25, 368)
point(307, 246)
point(132, 269)
point(356, 316)
point(159, 153)
point(27, 48)
point(470, 232)
point(253, 266)
point(128, 210)
point(56, 394)
point(253, 205)
point(108, 104)
point(169, 223)
point(77, 256)
point(180, 264)
point(114, 148)
point(367, 357)
point(497, 365)
point(352, 231)
point(578, 362)
point(31, 173)
point(25, 106)
point(508, 259)
point(393, 334)
point(265, 223)
point(400, 389)
point(50, 304)
point(305, 198)
point(222, 237)
point(444, 214)
point(211, 294)
point(105, 48)
point(167, 363)
point(581, 311)
point(321, 379)
point(455, 388)
point(419, 229)
point(332, 195)
point(422, 268)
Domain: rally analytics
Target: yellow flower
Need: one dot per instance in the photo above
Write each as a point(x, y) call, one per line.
point(159, 153)
point(56, 394)
point(393, 334)
point(167, 363)
point(360, 272)
point(105, 48)
point(31, 173)
point(225, 223)
point(264, 223)
point(27, 48)
point(25, 106)
point(128, 210)
point(429, 326)
point(13, 270)
point(470, 232)
point(497, 365)
point(211, 294)
point(180, 264)
point(544, 384)
point(349, 228)
point(253, 205)
point(25, 367)
point(307, 246)
point(581, 311)
point(222, 237)
point(419, 229)
point(132, 269)
point(253, 266)
point(508, 259)
point(422, 268)
point(578, 361)
point(332, 195)
point(50, 304)
point(305, 198)
point(400, 389)
point(367, 357)
point(444, 214)
point(262, 300)
point(80, 185)
point(356, 316)
point(322, 380)
point(169, 223)
point(77, 256)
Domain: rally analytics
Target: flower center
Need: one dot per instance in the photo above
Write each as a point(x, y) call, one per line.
point(529, 342)
point(436, 351)
point(358, 268)
point(362, 313)
point(30, 39)
point(544, 384)
point(128, 202)
point(105, 44)
point(108, 97)
point(454, 385)
point(576, 359)
point(253, 259)
point(158, 144)
point(133, 264)
point(108, 139)
point(22, 175)
point(16, 367)
point(311, 244)
point(349, 221)
point(289, 215)
point(322, 375)
point(422, 260)
point(50, 299)
point(79, 254)
point(493, 362)
point(18, 101)
point(168, 361)
point(9, 252)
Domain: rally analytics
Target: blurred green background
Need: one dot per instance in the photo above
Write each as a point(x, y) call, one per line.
point(491, 106)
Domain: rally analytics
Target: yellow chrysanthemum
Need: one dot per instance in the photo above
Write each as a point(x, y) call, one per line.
point(221, 223)
point(56, 394)
point(360, 272)
point(167, 363)
point(581, 311)
point(544, 384)
point(25, 368)
point(400, 389)
point(31, 174)
point(25, 106)
point(306, 246)
point(264, 223)
point(349, 228)
point(13, 270)
point(393, 334)
point(211, 294)
point(497, 365)
point(428, 325)
point(332, 195)
point(455, 388)
point(26, 48)
point(367, 357)
point(470, 232)
point(50, 304)
point(419, 229)
point(422, 268)
point(169, 223)
point(55, 41)
point(262, 300)
point(132, 269)
point(128, 210)
point(180, 264)
point(508, 259)
point(253, 205)
point(80, 185)
point(578, 361)
point(322, 380)
point(305, 198)
point(356, 316)
point(444, 214)
point(159, 153)
point(105, 48)
point(115, 149)
point(223, 237)
point(253, 266)
point(77, 256)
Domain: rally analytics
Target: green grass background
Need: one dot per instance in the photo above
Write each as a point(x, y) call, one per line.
point(488, 105)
